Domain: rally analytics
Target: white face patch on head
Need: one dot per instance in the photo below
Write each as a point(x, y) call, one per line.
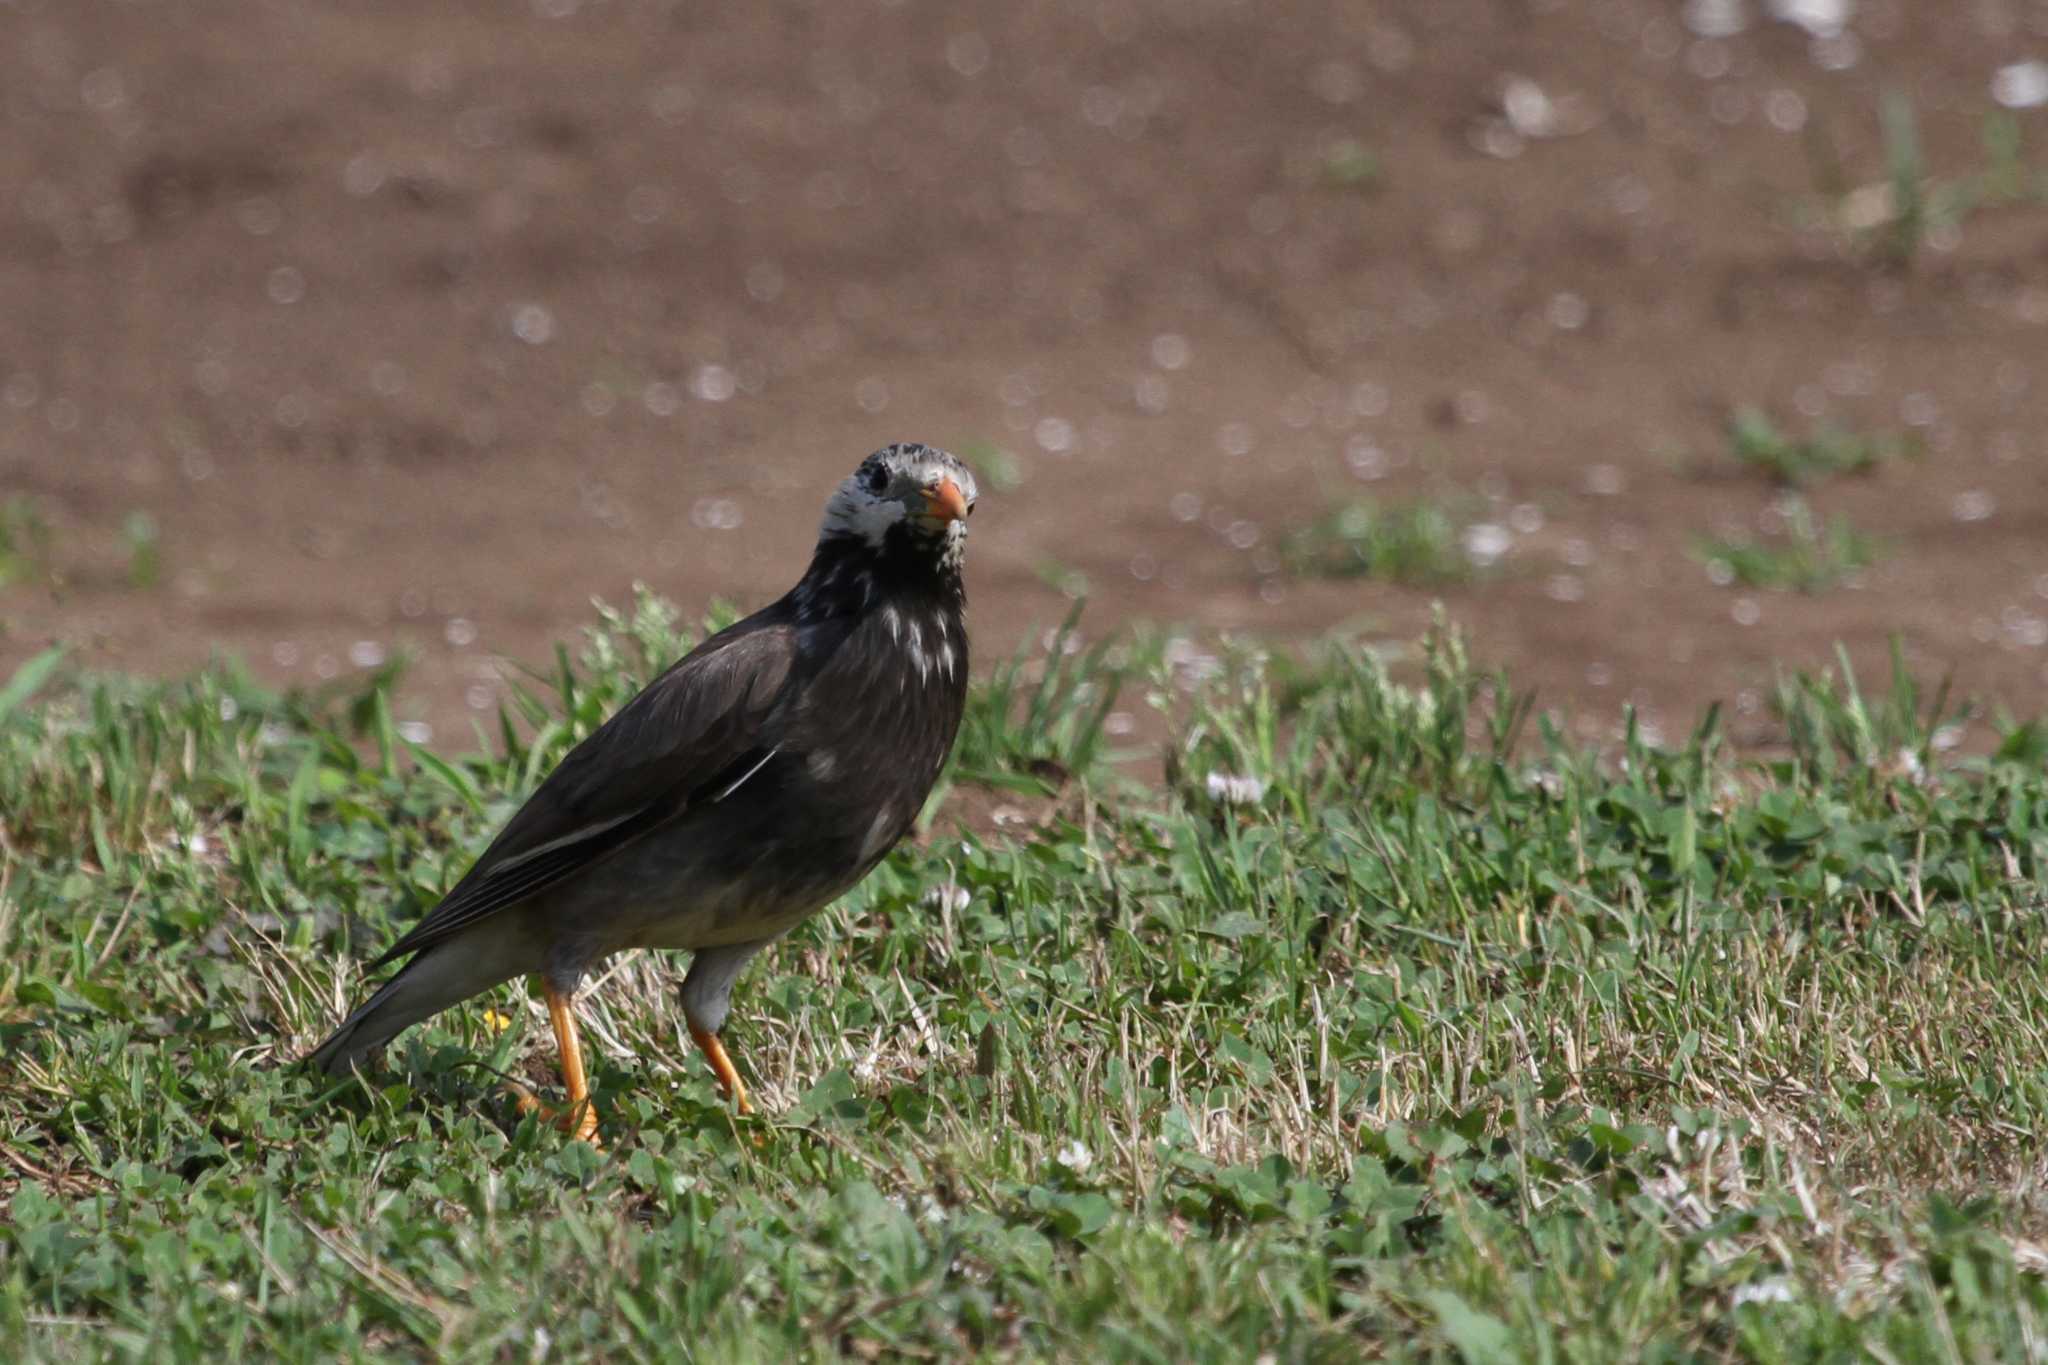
point(858, 508)
point(855, 511)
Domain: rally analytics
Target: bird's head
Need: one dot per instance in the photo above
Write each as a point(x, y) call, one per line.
point(905, 499)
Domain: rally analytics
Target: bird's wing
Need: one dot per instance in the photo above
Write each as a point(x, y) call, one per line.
point(692, 737)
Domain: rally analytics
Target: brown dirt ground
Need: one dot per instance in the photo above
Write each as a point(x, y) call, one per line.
point(419, 325)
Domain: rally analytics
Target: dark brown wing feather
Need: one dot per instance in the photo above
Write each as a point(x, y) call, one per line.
point(690, 737)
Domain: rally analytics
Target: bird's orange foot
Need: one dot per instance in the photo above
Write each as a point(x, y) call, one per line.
point(579, 1120)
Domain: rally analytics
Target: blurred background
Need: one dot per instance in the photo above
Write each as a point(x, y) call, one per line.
point(1663, 343)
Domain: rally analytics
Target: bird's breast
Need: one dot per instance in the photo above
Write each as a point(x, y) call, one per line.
point(855, 754)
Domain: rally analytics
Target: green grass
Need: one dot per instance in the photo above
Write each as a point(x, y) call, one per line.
point(1895, 220)
point(998, 466)
point(1037, 722)
point(1826, 453)
point(1918, 207)
point(144, 544)
point(1456, 1041)
point(27, 543)
point(1805, 558)
point(1351, 165)
point(24, 541)
point(1412, 542)
point(1924, 206)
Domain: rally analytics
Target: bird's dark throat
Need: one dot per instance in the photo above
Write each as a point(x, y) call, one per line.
point(848, 576)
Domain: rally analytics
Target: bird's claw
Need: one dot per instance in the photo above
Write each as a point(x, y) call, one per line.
point(579, 1121)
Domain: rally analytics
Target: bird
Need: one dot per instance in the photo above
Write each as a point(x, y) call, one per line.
point(759, 778)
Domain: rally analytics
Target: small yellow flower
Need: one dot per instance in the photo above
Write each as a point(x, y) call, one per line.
point(497, 1022)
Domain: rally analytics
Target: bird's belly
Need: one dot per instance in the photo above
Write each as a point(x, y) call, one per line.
point(799, 830)
point(710, 883)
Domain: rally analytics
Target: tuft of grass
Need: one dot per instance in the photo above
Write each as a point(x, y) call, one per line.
point(1456, 1041)
point(1826, 453)
point(1037, 722)
point(1835, 734)
point(1917, 207)
point(1334, 728)
point(1071, 583)
point(2007, 179)
point(145, 550)
point(1351, 165)
point(1414, 543)
point(998, 466)
point(24, 541)
point(1898, 218)
point(1805, 559)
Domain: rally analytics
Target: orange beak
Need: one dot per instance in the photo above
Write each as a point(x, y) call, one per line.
point(945, 501)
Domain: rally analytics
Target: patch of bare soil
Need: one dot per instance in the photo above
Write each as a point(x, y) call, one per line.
point(416, 326)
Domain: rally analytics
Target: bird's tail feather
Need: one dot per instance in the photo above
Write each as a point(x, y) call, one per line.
point(440, 977)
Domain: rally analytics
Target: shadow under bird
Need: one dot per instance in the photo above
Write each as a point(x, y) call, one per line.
point(760, 777)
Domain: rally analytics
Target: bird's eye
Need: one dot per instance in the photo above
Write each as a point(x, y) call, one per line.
point(878, 479)
point(970, 509)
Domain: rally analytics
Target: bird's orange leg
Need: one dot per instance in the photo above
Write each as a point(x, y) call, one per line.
point(579, 1120)
point(728, 1079)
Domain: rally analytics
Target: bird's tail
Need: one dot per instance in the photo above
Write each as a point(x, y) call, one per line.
point(440, 977)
